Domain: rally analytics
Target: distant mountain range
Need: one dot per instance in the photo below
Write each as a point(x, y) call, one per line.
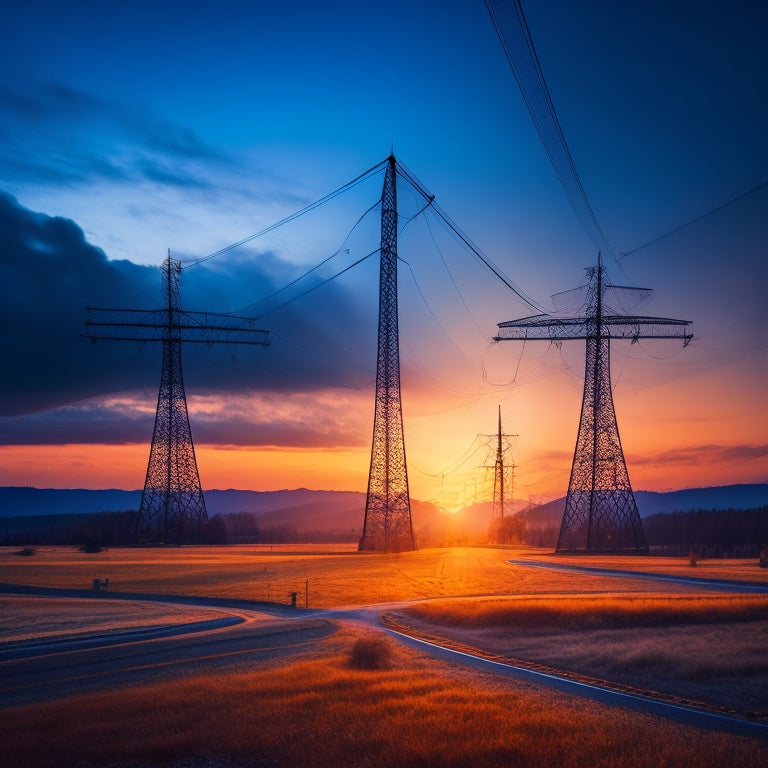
point(302, 508)
point(746, 496)
point(308, 510)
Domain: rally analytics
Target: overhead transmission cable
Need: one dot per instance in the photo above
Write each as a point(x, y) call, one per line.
point(674, 230)
point(495, 270)
point(317, 266)
point(453, 281)
point(457, 463)
point(513, 33)
point(429, 198)
point(357, 180)
point(515, 37)
point(320, 284)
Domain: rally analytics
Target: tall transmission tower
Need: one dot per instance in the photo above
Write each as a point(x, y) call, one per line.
point(387, 526)
point(600, 510)
point(172, 507)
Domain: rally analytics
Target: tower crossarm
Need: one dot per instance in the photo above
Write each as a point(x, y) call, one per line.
point(634, 327)
point(600, 512)
point(186, 326)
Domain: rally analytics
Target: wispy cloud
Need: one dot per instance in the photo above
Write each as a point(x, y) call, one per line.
point(701, 455)
point(57, 134)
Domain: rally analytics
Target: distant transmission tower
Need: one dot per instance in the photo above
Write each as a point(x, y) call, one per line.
point(600, 510)
point(503, 476)
point(172, 505)
point(387, 526)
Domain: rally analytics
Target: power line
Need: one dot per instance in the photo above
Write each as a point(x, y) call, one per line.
point(61, 348)
point(320, 284)
point(316, 266)
point(494, 269)
point(693, 221)
point(453, 281)
point(457, 463)
point(349, 185)
point(515, 37)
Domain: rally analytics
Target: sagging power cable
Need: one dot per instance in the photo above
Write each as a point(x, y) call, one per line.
point(359, 179)
point(494, 269)
point(674, 230)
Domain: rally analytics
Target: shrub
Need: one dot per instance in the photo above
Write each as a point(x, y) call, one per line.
point(26, 552)
point(370, 653)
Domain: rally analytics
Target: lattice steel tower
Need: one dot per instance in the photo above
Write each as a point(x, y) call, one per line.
point(172, 507)
point(600, 510)
point(387, 526)
point(502, 476)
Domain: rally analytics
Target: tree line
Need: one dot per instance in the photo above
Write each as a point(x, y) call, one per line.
point(708, 533)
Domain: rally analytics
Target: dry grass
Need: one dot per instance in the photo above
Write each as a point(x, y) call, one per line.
point(320, 712)
point(738, 569)
point(616, 611)
point(371, 653)
point(24, 618)
point(338, 578)
point(707, 649)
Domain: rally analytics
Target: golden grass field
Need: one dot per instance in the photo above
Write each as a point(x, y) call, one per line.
point(339, 576)
point(317, 710)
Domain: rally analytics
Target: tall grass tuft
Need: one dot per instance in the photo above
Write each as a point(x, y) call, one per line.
point(371, 653)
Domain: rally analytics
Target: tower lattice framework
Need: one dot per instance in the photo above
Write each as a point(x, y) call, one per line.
point(172, 504)
point(503, 476)
point(172, 507)
point(387, 526)
point(600, 510)
point(498, 476)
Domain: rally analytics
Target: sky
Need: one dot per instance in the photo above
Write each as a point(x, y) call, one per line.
point(133, 130)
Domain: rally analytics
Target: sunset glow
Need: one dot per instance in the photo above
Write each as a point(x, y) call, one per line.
point(106, 168)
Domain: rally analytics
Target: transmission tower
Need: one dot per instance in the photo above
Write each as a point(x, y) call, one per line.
point(600, 510)
point(172, 505)
point(503, 476)
point(387, 526)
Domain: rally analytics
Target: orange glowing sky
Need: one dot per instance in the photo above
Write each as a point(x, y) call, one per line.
point(667, 436)
point(103, 168)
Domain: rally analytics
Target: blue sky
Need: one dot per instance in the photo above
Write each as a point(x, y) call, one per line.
point(149, 128)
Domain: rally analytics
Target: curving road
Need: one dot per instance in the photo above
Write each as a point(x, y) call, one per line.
point(678, 713)
point(48, 669)
point(240, 632)
point(714, 585)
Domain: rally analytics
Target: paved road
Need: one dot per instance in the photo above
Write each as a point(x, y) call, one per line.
point(681, 714)
point(714, 585)
point(45, 670)
point(49, 669)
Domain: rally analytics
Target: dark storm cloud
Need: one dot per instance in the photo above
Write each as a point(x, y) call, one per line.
point(130, 421)
point(83, 423)
point(49, 273)
point(55, 133)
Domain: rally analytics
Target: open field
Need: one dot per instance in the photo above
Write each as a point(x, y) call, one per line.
point(320, 712)
point(313, 708)
point(341, 577)
point(709, 650)
point(28, 618)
